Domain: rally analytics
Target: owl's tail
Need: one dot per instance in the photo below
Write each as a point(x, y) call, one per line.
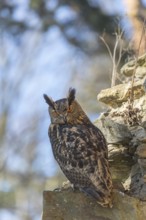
point(101, 198)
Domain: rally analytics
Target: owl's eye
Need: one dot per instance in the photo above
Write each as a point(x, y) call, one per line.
point(69, 110)
point(54, 113)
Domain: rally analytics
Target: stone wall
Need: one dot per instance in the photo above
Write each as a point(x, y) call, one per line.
point(124, 126)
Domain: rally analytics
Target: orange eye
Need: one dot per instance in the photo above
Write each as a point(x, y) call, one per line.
point(69, 110)
point(54, 113)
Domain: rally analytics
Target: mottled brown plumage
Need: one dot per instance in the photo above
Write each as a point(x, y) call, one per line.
point(80, 148)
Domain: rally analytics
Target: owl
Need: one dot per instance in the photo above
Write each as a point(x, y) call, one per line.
point(80, 148)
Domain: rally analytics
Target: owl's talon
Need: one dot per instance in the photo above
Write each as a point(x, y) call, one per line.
point(67, 185)
point(57, 189)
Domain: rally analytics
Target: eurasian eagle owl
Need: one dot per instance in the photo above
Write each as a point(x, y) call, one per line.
point(80, 148)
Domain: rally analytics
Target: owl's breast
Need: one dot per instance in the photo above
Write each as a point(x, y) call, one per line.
point(55, 138)
point(59, 140)
point(76, 142)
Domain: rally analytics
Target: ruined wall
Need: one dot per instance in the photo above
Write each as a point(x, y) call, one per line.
point(124, 126)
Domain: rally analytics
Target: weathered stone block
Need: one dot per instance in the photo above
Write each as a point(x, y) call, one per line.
point(141, 151)
point(113, 131)
point(116, 95)
point(139, 133)
point(128, 68)
point(69, 205)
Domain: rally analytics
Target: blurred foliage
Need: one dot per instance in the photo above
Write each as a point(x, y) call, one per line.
point(82, 24)
point(81, 17)
point(7, 199)
point(24, 25)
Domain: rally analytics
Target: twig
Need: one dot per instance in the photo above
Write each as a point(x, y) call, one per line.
point(116, 64)
point(113, 56)
point(107, 46)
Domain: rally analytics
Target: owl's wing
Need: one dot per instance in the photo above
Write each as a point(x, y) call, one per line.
point(81, 151)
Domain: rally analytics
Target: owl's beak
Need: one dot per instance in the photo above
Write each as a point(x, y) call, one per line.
point(64, 119)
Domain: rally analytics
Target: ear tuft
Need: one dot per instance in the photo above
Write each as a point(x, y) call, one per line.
point(71, 95)
point(49, 101)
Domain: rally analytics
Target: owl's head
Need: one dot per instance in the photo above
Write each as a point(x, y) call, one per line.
point(67, 110)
